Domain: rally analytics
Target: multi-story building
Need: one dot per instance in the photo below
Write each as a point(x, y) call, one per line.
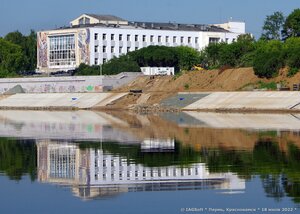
point(95, 39)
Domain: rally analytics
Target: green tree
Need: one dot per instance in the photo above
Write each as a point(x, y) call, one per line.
point(268, 59)
point(188, 57)
point(11, 59)
point(122, 64)
point(273, 26)
point(291, 54)
point(291, 26)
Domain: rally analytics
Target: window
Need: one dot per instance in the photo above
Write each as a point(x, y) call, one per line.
point(81, 21)
point(128, 37)
point(96, 61)
point(167, 38)
point(104, 60)
point(189, 39)
point(96, 36)
point(159, 38)
point(144, 38)
point(196, 40)
point(104, 36)
point(128, 49)
point(233, 40)
point(136, 38)
point(174, 39)
point(112, 37)
point(104, 49)
point(87, 21)
point(136, 48)
point(62, 50)
point(120, 50)
point(151, 38)
point(120, 37)
point(96, 48)
point(214, 40)
point(181, 39)
point(112, 49)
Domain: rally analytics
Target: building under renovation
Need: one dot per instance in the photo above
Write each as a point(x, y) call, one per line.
point(95, 39)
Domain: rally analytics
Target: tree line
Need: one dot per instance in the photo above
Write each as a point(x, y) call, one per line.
point(17, 54)
point(278, 47)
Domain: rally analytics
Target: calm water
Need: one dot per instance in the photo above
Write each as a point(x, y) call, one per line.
point(92, 162)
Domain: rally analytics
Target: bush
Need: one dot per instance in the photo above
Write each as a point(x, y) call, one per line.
point(292, 72)
point(268, 59)
point(292, 52)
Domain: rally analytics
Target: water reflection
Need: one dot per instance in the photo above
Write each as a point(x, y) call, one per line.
point(102, 155)
point(94, 171)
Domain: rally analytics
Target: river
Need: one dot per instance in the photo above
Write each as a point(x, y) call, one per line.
point(121, 162)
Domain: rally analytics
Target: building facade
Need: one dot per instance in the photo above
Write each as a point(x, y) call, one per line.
point(94, 39)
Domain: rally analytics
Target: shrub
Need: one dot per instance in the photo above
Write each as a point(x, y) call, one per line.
point(292, 72)
point(268, 59)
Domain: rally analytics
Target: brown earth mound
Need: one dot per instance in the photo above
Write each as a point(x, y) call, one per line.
point(160, 87)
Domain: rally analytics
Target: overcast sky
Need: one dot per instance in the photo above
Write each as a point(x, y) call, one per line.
point(24, 15)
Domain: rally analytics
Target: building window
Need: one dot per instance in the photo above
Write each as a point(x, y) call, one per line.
point(128, 37)
point(189, 39)
point(87, 21)
point(181, 39)
point(167, 38)
point(233, 40)
point(136, 48)
point(96, 36)
point(151, 38)
point(104, 36)
point(81, 21)
point(128, 49)
point(96, 48)
point(120, 50)
point(144, 38)
point(104, 49)
point(196, 40)
point(213, 40)
point(112, 49)
point(62, 50)
point(159, 39)
point(104, 60)
point(112, 37)
point(174, 39)
point(136, 38)
point(120, 37)
point(96, 61)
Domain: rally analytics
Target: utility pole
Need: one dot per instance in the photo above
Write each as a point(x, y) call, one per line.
point(100, 69)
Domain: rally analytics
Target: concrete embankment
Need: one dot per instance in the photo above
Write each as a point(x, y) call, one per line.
point(248, 101)
point(59, 100)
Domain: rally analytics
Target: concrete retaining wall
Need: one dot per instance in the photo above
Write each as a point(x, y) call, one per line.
point(59, 100)
point(71, 84)
point(281, 100)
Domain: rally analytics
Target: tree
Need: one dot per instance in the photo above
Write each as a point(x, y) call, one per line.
point(268, 59)
point(188, 57)
point(273, 26)
point(291, 26)
point(11, 59)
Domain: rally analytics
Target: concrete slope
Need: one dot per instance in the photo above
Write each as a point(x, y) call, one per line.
point(246, 121)
point(281, 100)
point(59, 100)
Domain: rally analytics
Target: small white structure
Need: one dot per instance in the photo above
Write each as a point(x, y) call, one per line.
point(150, 71)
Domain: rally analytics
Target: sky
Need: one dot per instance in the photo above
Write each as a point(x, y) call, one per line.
point(24, 15)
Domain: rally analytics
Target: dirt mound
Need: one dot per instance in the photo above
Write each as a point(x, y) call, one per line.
point(161, 87)
point(213, 80)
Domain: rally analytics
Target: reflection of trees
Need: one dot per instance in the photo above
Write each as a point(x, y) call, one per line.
point(18, 158)
point(279, 171)
point(182, 155)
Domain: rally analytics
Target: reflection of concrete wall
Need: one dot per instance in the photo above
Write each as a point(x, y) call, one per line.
point(77, 125)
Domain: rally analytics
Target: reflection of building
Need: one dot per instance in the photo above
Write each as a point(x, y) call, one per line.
point(158, 145)
point(94, 173)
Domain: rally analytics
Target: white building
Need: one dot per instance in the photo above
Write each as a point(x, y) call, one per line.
point(95, 39)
